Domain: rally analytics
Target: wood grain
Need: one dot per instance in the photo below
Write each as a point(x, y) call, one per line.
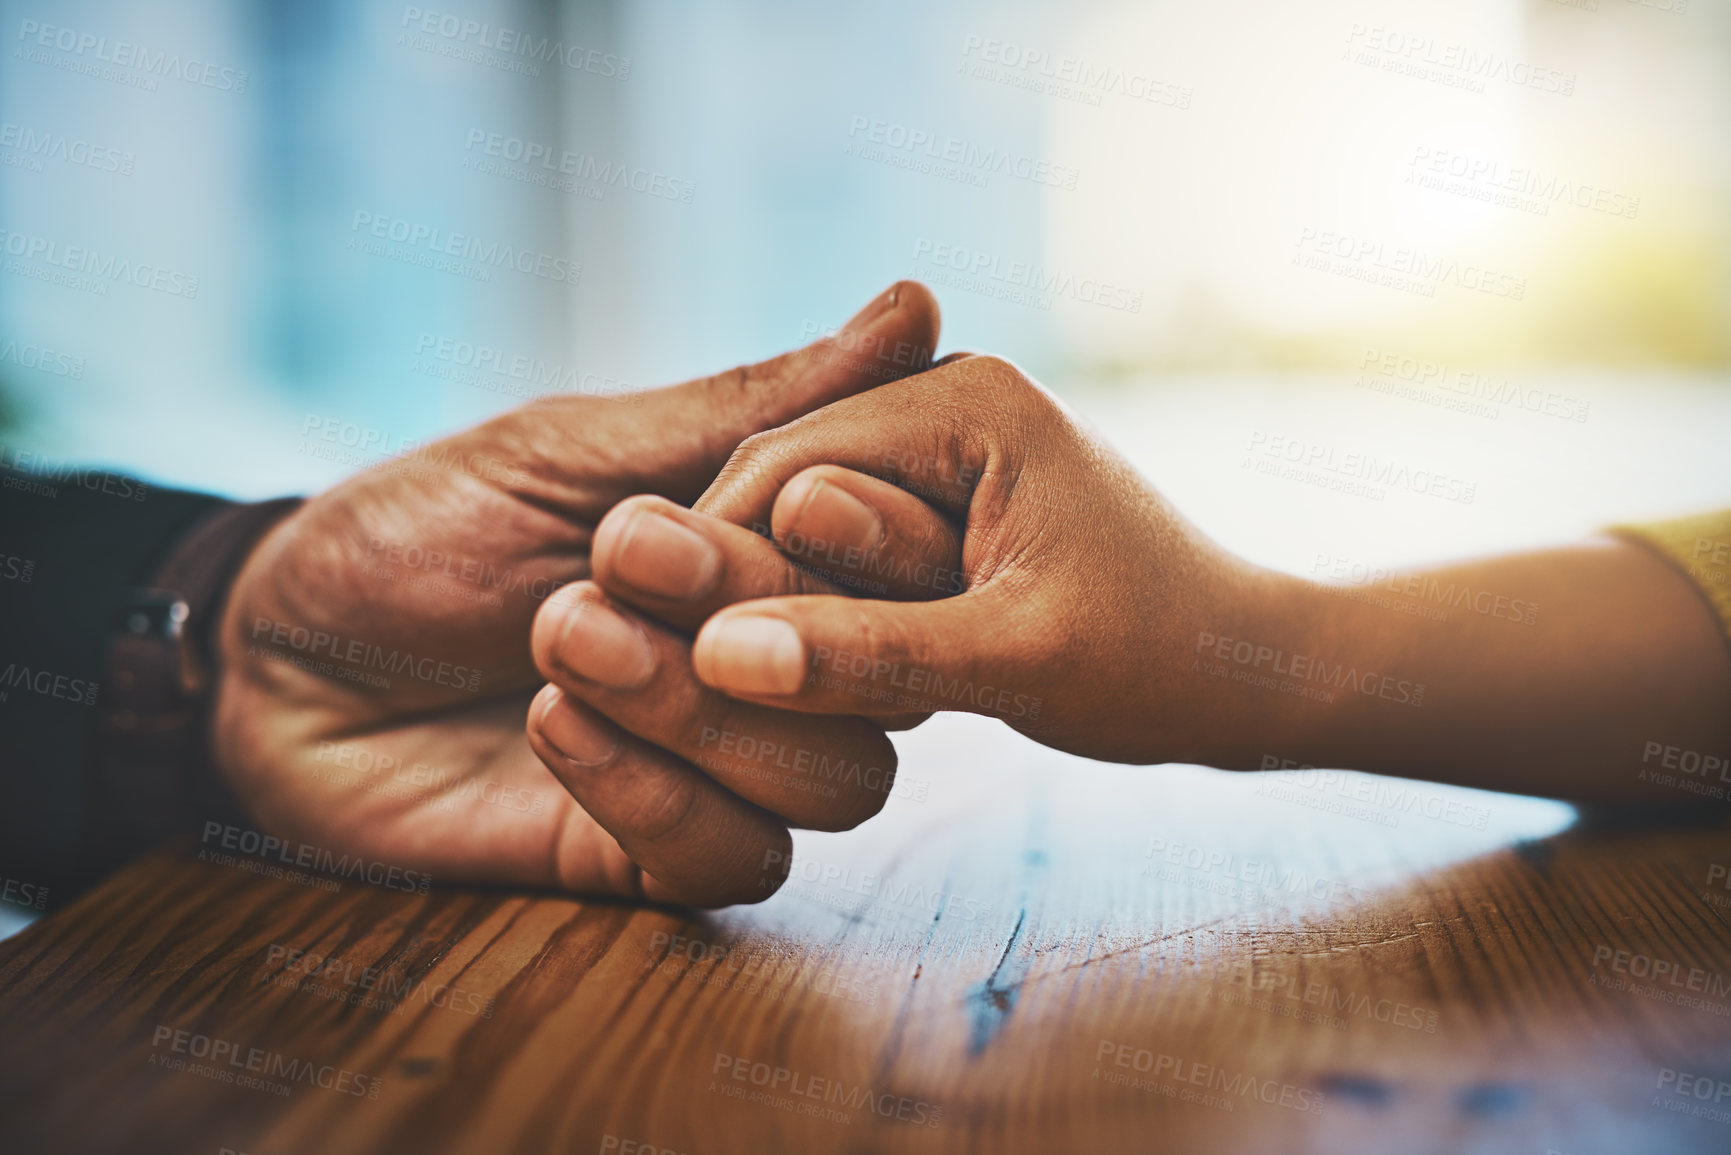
point(1039, 954)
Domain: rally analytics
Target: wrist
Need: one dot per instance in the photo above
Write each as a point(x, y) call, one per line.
point(151, 772)
point(1250, 670)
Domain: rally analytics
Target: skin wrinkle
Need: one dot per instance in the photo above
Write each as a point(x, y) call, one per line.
point(981, 417)
point(557, 465)
point(658, 815)
point(683, 708)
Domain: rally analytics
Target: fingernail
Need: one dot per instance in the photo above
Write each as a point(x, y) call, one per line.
point(834, 514)
point(577, 738)
point(750, 655)
point(599, 644)
point(879, 306)
point(660, 556)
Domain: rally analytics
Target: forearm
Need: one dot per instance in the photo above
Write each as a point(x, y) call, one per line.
point(1622, 667)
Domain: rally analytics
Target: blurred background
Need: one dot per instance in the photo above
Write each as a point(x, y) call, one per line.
point(250, 246)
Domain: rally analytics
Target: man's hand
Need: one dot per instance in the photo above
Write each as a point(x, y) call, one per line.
point(375, 657)
point(624, 720)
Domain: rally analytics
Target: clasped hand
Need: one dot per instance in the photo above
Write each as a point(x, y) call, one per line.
point(756, 575)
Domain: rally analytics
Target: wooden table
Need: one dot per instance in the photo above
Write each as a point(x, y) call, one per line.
point(1025, 953)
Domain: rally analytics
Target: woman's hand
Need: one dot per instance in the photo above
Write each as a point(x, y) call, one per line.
point(1083, 593)
point(1097, 620)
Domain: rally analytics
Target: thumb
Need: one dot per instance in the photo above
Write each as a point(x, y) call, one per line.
point(840, 655)
point(703, 421)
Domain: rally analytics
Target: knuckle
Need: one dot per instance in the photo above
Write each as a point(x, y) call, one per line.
point(1000, 373)
point(1009, 387)
point(883, 641)
point(931, 541)
point(749, 466)
point(757, 447)
point(661, 813)
point(748, 459)
point(787, 577)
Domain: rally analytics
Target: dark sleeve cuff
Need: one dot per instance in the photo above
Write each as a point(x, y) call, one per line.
point(151, 774)
point(79, 549)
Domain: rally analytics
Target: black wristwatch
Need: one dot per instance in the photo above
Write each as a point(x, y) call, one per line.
point(152, 774)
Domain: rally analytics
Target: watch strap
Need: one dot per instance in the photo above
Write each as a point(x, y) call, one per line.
point(151, 773)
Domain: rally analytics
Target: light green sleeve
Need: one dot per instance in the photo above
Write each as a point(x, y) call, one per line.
point(1700, 547)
